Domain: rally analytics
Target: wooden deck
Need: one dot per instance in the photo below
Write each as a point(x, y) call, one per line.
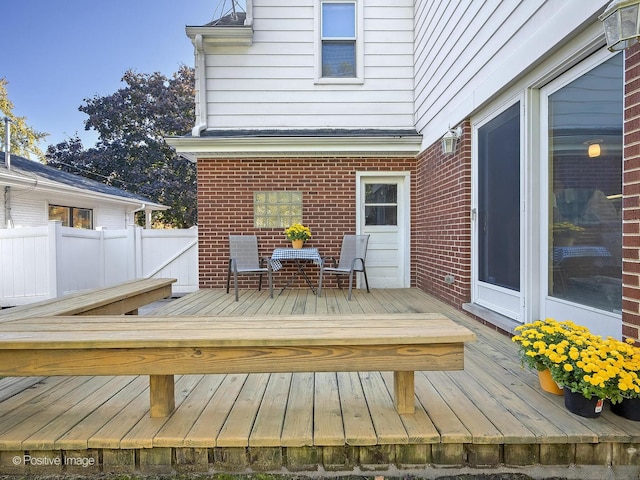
point(492, 414)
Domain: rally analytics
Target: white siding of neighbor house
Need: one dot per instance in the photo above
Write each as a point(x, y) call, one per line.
point(30, 209)
point(458, 69)
point(270, 84)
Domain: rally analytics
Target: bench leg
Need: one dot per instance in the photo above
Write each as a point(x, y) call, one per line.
point(162, 396)
point(403, 392)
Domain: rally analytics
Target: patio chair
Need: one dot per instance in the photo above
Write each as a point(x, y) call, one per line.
point(352, 258)
point(244, 260)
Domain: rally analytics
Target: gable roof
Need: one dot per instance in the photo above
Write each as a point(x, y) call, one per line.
point(67, 181)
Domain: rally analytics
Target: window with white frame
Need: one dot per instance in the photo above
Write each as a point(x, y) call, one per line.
point(72, 216)
point(339, 32)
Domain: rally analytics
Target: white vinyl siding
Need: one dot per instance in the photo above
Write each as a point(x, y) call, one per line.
point(271, 84)
point(458, 67)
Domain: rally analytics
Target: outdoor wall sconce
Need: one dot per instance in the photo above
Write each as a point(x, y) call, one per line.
point(450, 139)
point(620, 21)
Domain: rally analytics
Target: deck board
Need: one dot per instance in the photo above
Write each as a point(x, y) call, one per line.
point(493, 403)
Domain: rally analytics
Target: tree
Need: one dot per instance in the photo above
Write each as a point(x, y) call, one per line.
point(131, 152)
point(24, 139)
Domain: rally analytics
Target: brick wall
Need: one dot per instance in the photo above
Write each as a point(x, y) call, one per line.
point(225, 204)
point(631, 197)
point(442, 232)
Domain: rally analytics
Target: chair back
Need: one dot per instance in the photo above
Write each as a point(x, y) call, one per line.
point(244, 250)
point(353, 246)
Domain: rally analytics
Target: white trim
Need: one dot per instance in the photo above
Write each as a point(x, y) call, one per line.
point(209, 147)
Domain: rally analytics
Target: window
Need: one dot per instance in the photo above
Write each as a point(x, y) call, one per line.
point(339, 57)
point(277, 209)
point(338, 33)
point(381, 204)
point(72, 216)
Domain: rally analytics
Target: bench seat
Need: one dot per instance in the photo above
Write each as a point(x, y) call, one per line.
point(122, 298)
point(162, 347)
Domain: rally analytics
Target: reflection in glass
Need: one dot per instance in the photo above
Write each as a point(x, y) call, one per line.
point(585, 223)
point(499, 200)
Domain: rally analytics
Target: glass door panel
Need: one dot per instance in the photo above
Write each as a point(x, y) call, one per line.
point(585, 184)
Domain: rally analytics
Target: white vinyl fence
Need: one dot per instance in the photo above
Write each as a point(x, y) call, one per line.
point(49, 261)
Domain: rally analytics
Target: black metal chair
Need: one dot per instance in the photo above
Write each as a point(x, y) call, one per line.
point(352, 259)
point(244, 260)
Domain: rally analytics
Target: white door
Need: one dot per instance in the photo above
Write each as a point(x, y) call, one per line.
point(383, 213)
point(497, 212)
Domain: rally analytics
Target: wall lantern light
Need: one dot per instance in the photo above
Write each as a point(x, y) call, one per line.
point(620, 21)
point(450, 140)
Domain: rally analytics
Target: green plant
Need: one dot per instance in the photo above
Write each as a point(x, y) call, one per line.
point(298, 231)
point(566, 227)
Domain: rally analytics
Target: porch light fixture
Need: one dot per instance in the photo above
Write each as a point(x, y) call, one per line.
point(621, 22)
point(450, 139)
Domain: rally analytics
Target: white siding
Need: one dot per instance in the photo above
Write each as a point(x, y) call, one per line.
point(271, 83)
point(468, 51)
point(29, 208)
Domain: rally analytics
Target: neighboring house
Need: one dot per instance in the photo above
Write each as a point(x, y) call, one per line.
point(33, 194)
point(331, 112)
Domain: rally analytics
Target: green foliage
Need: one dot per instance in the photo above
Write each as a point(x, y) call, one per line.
point(131, 152)
point(24, 139)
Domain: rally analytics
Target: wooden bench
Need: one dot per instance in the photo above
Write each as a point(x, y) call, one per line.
point(123, 298)
point(162, 347)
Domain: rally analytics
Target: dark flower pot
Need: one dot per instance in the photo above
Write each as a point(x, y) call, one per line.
point(629, 408)
point(578, 404)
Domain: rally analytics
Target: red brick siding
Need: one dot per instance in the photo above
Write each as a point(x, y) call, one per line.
point(442, 231)
point(631, 197)
point(328, 184)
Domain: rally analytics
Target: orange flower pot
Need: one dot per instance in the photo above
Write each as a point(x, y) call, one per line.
point(297, 243)
point(548, 384)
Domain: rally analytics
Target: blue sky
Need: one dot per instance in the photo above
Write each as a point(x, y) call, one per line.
point(55, 53)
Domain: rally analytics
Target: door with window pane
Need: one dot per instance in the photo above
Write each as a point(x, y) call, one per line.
point(383, 215)
point(497, 214)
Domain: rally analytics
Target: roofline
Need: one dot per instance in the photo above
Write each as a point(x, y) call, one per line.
point(20, 179)
point(299, 145)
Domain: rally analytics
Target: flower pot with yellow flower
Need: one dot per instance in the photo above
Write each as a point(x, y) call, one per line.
point(592, 369)
point(298, 234)
point(534, 340)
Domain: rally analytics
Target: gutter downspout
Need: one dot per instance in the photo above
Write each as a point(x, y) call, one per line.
point(7, 142)
point(201, 83)
point(147, 215)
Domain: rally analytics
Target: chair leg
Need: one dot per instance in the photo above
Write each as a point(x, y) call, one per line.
point(235, 283)
point(350, 284)
point(270, 281)
point(364, 271)
point(260, 283)
point(228, 275)
point(320, 283)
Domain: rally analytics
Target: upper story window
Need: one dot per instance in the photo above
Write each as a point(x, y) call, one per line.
point(340, 55)
point(72, 216)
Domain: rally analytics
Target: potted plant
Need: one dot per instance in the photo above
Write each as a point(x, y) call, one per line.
point(564, 233)
point(535, 340)
point(298, 234)
point(592, 369)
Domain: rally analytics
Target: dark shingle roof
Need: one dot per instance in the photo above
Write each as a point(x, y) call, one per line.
point(30, 167)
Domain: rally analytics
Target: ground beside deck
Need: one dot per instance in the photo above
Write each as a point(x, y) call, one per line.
point(491, 415)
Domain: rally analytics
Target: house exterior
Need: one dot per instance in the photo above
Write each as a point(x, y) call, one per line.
point(34, 193)
point(331, 112)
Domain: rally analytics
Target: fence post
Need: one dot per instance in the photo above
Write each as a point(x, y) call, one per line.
point(54, 245)
point(102, 258)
